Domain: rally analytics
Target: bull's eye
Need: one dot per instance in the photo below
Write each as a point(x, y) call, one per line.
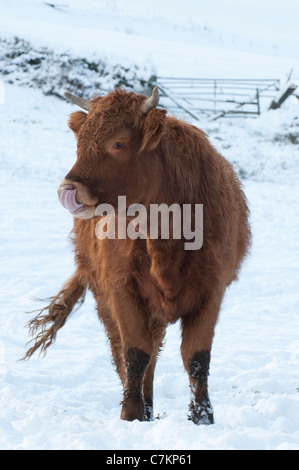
point(117, 145)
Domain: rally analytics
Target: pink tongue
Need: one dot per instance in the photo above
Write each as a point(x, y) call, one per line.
point(68, 200)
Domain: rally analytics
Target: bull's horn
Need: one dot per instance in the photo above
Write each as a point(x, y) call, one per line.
point(82, 102)
point(151, 102)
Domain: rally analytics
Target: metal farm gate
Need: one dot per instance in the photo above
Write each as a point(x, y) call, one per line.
point(215, 98)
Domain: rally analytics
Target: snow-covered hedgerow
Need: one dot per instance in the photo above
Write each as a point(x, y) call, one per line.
point(53, 73)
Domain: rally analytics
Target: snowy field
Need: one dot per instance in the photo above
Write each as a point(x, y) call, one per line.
point(70, 399)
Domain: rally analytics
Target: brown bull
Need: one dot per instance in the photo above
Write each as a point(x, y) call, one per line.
point(128, 147)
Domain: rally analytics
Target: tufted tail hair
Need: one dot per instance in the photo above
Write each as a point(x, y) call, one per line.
point(50, 319)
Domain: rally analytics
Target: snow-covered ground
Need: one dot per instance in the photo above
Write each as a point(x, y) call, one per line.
point(70, 399)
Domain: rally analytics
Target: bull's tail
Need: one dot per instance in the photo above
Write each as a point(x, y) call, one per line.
point(50, 319)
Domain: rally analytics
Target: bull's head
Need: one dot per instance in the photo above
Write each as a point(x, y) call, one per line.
point(117, 142)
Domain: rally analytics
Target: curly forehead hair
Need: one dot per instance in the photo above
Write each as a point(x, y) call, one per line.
point(119, 104)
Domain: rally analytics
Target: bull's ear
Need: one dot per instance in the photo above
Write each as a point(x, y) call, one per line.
point(153, 128)
point(76, 120)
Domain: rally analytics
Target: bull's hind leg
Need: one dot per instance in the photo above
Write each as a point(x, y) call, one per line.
point(112, 331)
point(148, 382)
point(51, 318)
point(197, 337)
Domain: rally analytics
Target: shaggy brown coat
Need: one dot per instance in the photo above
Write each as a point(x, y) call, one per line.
point(140, 286)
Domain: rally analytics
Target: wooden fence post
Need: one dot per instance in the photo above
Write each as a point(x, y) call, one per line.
point(258, 101)
point(289, 91)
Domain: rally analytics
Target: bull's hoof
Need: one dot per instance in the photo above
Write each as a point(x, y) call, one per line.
point(143, 411)
point(133, 409)
point(201, 413)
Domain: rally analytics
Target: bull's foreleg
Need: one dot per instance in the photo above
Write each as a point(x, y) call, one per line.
point(201, 411)
point(138, 389)
point(140, 340)
point(51, 318)
point(197, 337)
point(133, 405)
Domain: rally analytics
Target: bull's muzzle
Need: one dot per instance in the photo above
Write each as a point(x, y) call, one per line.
point(76, 198)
